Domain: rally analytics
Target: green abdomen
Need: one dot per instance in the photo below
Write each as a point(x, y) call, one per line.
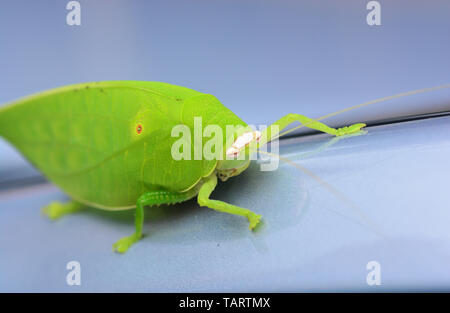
point(86, 138)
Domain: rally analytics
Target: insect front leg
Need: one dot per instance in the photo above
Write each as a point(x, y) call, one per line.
point(56, 210)
point(268, 134)
point(203, 200)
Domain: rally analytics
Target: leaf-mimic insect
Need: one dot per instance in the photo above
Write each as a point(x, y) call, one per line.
point(108, 145)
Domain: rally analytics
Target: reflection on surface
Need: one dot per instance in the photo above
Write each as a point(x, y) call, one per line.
point(311, 240)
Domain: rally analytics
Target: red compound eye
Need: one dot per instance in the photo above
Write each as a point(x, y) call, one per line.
point(139, 129)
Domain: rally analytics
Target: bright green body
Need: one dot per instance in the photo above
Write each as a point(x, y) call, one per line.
point(84, 138)
point(109, 145)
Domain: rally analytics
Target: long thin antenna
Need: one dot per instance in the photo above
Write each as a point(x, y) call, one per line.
point(366, 221)
point(404, 94)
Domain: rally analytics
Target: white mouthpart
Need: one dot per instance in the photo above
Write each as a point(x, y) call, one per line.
point(242, 141)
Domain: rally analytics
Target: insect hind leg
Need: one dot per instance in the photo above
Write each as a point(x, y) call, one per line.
point(56, 210)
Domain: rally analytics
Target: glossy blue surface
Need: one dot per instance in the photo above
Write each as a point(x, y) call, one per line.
point(386, 199)
point(261, 58)
point(386, 193)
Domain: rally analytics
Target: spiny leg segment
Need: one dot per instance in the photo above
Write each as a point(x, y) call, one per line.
point(149, 199)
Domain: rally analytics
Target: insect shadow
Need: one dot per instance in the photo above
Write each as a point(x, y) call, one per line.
point(188, 222)
point(257, 190)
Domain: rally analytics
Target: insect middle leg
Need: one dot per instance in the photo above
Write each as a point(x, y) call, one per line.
point(150, 198)
point(269, 133)
point(203, 200)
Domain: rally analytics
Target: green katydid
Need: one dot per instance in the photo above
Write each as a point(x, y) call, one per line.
point(108, 145)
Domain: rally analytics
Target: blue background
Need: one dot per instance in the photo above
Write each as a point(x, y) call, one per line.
point(262, 59)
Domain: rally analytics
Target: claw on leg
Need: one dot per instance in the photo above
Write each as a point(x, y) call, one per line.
point(124, 243)
point(349, 129)
point(253, 220)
